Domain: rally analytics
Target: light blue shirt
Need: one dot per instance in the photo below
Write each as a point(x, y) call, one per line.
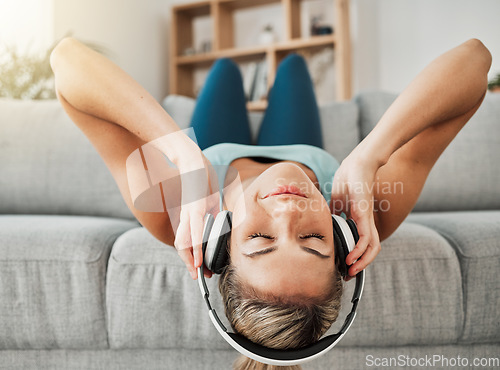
point(322, 163)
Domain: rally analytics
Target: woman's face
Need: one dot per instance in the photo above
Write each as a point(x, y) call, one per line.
point(282, 236)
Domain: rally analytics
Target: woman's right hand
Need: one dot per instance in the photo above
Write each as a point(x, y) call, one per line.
point(199, 196)
point(352, 194)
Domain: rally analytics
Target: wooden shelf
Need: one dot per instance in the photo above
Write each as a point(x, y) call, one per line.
point(221, 12)
point(242, 4)
point(197, 9)
point(306, 42)
point(204, 58)
point(256, 51)
point(256, 106)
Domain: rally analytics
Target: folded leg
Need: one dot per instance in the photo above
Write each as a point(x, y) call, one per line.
point(220, 114)
point(292, 115)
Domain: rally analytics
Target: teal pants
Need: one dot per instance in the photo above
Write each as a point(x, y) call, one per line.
point(291, 117)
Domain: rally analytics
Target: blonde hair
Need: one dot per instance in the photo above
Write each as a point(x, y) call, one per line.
point(277, 322)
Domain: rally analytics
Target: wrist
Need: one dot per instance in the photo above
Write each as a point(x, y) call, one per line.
point(179, 149)
point(368, 157)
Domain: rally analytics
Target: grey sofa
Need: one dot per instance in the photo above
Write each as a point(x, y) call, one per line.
point(84, 286)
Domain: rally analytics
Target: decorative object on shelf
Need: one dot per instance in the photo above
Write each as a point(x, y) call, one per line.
point(206, 46)
point(249, 79)
point(189, 51)
point(255, 81)
point(267, 35)
point(319, 29)
point(320, 64)
point(494, 84)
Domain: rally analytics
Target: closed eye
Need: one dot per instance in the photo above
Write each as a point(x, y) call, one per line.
point(266, 236)
point(313, 235)
point(260, 235)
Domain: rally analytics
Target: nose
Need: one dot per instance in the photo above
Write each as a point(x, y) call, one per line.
point(286, 208)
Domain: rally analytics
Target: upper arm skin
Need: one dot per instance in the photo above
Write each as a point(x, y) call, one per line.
point(114, 144)
point(442, 98)
point(400, 181)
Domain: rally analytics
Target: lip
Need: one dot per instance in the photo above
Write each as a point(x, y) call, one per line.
point(285, 189)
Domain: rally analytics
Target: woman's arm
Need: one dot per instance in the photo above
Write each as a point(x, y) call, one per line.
point(94, 85)
point(448, 87)
point(119, 116)
point(409, 138)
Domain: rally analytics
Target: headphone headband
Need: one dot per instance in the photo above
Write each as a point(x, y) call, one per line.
point(284, 357)
point(281, 357)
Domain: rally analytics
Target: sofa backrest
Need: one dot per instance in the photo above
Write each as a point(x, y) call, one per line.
point(467, 175)
point(47, 166)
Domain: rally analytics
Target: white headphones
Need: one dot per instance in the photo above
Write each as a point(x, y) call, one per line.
point(215, 234)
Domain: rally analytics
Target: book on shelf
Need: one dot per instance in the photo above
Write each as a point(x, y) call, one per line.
point(255, 81)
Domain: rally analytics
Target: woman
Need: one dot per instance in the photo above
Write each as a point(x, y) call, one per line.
point(281, 288)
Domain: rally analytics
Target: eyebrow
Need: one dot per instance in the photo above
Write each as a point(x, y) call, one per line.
point(273, 248)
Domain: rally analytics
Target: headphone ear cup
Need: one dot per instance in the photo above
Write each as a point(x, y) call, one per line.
point(341, 249)
point(216, 255)
point(221, 256)
point(354, 229)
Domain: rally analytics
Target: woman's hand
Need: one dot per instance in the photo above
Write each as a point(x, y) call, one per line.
point(199, 197)
point(352, 194)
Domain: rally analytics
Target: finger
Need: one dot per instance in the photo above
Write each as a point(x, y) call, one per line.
point(197, 239)
point(183, 236)
point(186, 256)
point(206, 272)
point(365, 231)
point(367, 258)
point(213, 203)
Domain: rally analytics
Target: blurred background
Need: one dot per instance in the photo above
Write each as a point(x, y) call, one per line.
point(390, 40)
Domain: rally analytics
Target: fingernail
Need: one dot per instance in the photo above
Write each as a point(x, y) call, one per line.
point(193, 274)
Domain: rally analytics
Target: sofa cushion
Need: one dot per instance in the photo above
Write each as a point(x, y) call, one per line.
point(412, 295)
point(52, 273)
point(152, 301)
point(475, 237)
point(338, 121)
point(466, 176)
point(47, 166)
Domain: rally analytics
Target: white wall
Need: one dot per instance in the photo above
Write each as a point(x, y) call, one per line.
point(26, 24)
point(409, 34)
point(133, 32)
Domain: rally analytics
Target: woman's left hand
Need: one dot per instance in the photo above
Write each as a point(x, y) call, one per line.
point(352, 194)
point(199, 197)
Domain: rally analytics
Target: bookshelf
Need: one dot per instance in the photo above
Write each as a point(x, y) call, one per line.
point(221, 14)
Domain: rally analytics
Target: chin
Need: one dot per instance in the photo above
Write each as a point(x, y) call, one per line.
point(282, 174)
